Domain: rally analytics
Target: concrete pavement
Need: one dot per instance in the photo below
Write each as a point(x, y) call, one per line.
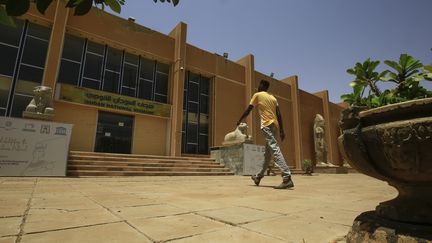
point(320, 208)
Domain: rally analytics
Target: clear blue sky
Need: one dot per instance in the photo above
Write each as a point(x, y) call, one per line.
point(314, 39)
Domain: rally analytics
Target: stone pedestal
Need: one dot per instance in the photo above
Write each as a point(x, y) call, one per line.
point(330, 169)
point(368, 227)
point(242, 159)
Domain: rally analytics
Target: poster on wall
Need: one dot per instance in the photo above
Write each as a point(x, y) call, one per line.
point(33, 148)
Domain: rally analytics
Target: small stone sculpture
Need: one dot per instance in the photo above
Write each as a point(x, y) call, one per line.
point(239, 135)
point(319, 141)
point(41, 106)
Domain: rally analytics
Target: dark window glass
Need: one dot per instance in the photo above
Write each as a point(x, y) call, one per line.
point(35, 52)
point(69, 72)
point(184, 99)
point(19, 104)
point(93, 66)
point(193, 92)
point(73, 48)
point(161, 98)
point(8, 59)
point(203, 129)
point(183, 141)
point(128, 92)
point(111, 81)
point(2, 112)
point(129, 76)
point(130, 58)
point(192, 133)
point(90, 84)
point(95, 48)
point(113, 61)
point(11, 35)
point(5, 85)
point(162, 84)
point(30, 74)
point(193, 107)
point(203, 144)
point(145, 90)
point(194, 77)
point(39, 31)
point(147, 69)
point(164, 68)
point(204, 104)
point(204, 85)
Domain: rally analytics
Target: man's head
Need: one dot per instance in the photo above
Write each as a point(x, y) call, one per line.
point(263, 86)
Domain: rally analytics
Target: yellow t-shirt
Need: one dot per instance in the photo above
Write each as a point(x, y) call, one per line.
point(266, 104)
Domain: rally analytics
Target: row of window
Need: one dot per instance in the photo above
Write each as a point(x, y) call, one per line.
point(23, 52)
point(91, 65)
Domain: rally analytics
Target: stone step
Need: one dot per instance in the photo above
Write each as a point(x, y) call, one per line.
point(144, 163)
point(81, 173)
point(130, 168)
point(132, 159)
point(113, 155)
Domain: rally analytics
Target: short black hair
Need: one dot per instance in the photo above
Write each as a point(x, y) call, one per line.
point(264, 85)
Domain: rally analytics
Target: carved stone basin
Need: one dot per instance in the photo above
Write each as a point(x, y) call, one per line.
point(394, 143)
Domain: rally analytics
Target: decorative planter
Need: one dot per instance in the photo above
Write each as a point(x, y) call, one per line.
point(394, 143)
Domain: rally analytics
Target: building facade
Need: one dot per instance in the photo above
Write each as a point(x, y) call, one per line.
point(130, 89)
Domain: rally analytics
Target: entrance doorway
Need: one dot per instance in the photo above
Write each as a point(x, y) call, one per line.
point(114, 133)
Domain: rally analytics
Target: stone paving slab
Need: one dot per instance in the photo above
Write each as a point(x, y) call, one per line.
point(320, 208)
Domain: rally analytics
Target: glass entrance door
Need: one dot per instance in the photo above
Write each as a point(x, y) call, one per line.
point(114, 133)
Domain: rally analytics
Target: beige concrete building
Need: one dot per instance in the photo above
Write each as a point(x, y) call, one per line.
point(130, 89)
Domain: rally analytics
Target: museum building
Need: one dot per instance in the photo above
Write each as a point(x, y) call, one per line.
point(129, 89)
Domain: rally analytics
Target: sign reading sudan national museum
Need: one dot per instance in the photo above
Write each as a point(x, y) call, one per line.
point(103, 99)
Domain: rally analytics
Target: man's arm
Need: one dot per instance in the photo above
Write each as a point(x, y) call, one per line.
point(279, 118)
point(245, 114)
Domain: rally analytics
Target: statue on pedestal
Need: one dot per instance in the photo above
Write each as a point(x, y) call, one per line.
point(319, 141)
point(239, 135)
point(41, 106)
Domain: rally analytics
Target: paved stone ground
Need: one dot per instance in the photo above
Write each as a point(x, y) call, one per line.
point(320, 208)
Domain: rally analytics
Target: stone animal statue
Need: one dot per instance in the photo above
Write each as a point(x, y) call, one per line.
point(239, 135)
point(41, 102)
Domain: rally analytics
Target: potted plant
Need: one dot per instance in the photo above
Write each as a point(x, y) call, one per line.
point(387, 134)
point(307, 166)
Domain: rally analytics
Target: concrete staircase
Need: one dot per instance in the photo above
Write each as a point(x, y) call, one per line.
point(106, 164)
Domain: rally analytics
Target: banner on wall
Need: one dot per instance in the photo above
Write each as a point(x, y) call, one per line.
point(103, 99)
point(33, 148)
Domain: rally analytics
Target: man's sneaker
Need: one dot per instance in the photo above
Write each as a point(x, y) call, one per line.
point(286, 183)
point(256, 179)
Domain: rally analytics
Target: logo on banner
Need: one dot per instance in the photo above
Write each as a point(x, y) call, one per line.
point(60, 131)
point(29, 127)
point(8, 126)
point(45, 129)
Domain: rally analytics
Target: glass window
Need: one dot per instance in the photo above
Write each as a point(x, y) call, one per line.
point(203, 144)
point(69, 72)
point(161, 98)
point(35, 51)
point(128, 92)
point(163, 68)
point(5, 85)
point(11, 35)
point(92, 84)
point(193, 92)
point(162, 83)
point(113, 61)
point(8, 59)
point(145, 90)
point(19, 104)
point(73, 48)
point(129, 76)
point(147, 69)
point(32, 74)
point(39, 31)
point(204, 104)
point(192, 133)
point(2, 112)
point(95, 48)
point(131, 58)
point(93, 66)
point(204, 85)
point(111, 81)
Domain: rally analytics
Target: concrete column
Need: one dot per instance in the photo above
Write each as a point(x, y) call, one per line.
point(328, 134)
point(249, 63)
point(52, 63)
point(296, 119)
point(179, 70)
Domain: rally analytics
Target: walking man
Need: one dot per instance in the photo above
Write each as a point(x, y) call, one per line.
point(271, 120)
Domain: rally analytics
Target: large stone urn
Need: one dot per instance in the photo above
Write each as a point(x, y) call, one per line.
point(394, 143)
